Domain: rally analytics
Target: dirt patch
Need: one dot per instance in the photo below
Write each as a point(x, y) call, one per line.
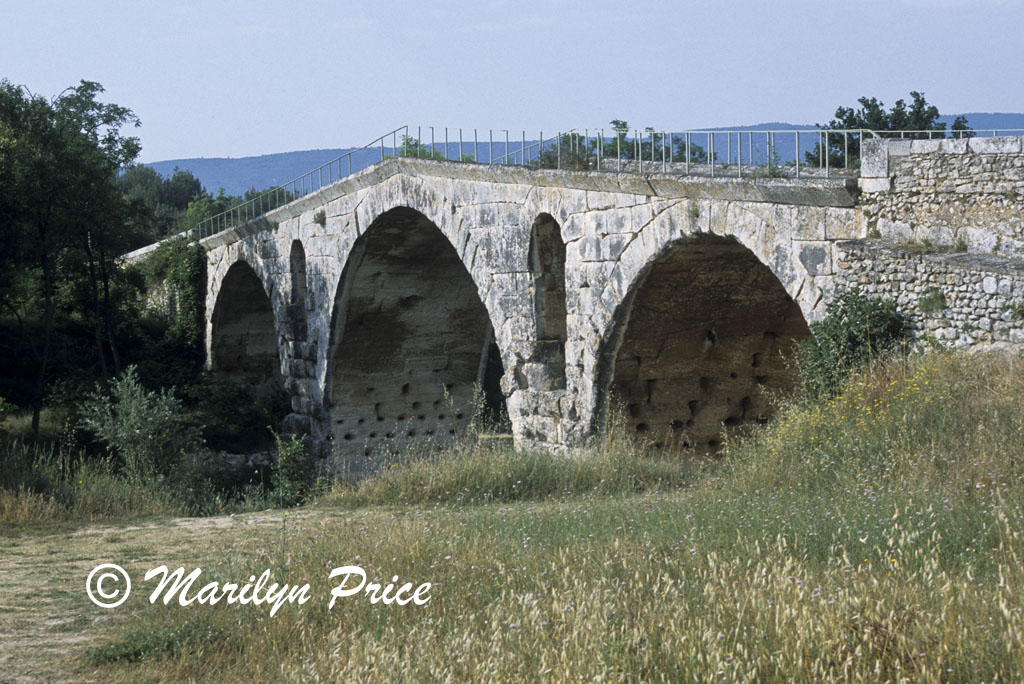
point(46, 619)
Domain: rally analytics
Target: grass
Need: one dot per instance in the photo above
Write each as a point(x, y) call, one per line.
point(872, 537)
point(45, 485)
point(492, 472)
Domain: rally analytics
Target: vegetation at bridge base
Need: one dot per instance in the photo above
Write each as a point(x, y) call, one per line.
point(74, 319)
point(854, 331)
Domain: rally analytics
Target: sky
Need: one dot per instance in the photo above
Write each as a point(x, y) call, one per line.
point(242, 78)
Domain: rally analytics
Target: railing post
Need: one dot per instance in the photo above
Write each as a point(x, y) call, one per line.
point(687, 143)
point(796, 136)
point(711, 151)
point(638, 150)
point(826, 155)
point(739, 154)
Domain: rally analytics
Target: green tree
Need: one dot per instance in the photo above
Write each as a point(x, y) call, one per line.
point(60, 159)
point(412, 147)
point(569, 151)
point(158, 203)
point(918, 120)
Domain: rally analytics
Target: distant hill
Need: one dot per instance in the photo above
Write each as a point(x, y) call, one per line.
point(236, 175)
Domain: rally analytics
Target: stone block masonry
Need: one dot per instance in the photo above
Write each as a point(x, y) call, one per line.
point(966, 301)
point(429, 290)
point(964, 193)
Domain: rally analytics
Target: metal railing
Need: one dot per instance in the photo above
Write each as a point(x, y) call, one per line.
point(741, 153)
point(287, 192)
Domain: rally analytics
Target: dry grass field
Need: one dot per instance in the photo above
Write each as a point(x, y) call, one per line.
point(873, 537)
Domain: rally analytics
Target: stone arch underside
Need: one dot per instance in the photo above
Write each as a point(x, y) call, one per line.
point(701, 343)
point(244, 336)
point(297, 319)
point(412, 342)
point(547, 270)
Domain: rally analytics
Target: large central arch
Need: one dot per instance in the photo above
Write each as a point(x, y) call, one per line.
point(700, 340)
point(411, 341)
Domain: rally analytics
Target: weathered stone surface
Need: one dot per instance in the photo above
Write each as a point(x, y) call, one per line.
point(966, 193)
point(965, 300)
point(560, 293)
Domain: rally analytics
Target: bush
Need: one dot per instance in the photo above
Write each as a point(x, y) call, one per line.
point(294, 474)
point(146, 431)
point(855, 329)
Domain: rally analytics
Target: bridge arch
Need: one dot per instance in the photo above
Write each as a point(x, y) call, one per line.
point(410, 343)
point(297, 319)
point(700, 335)
point(243, 330)
point(547, 257)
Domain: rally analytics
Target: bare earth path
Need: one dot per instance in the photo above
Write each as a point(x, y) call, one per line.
point(46, 619)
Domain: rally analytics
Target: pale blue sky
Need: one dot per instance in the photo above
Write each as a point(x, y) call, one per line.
point(240, 78)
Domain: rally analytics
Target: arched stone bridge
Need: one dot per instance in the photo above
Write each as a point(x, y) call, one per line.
point(384, 300)
point(382, 303)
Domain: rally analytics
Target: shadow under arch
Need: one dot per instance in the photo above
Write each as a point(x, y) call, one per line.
point(547, 269)
point(297, 320)
point(411, 342)
point(701, 336)
point(243, 343)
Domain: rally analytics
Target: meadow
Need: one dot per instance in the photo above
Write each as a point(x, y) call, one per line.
point(875, 536)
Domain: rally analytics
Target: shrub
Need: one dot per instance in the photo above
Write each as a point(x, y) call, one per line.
point(146, 431)
point(854, 330)
point(294, 474)
point(232, 417)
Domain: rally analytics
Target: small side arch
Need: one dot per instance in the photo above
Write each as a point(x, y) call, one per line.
point(547, 269)
point(243, 344)
point(297, 320)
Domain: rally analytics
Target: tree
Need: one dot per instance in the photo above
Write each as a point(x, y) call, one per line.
point(570, 151)
point(412, 147)
point(60, 202)
point(919, 120)
point(158, 203)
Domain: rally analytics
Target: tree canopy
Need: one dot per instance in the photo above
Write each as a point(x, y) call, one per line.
point(918, 120)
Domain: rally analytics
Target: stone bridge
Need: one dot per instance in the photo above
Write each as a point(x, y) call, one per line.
point(400, 303)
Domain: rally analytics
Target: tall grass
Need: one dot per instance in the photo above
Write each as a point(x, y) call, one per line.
point(874, 537)
point(493, 471)
point(46, 484)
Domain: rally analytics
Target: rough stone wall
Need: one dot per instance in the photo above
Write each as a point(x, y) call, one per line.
point(963, 193)
point(614, 227)
point(967, 301)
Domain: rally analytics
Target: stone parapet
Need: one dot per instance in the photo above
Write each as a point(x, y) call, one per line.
point(966, 193)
